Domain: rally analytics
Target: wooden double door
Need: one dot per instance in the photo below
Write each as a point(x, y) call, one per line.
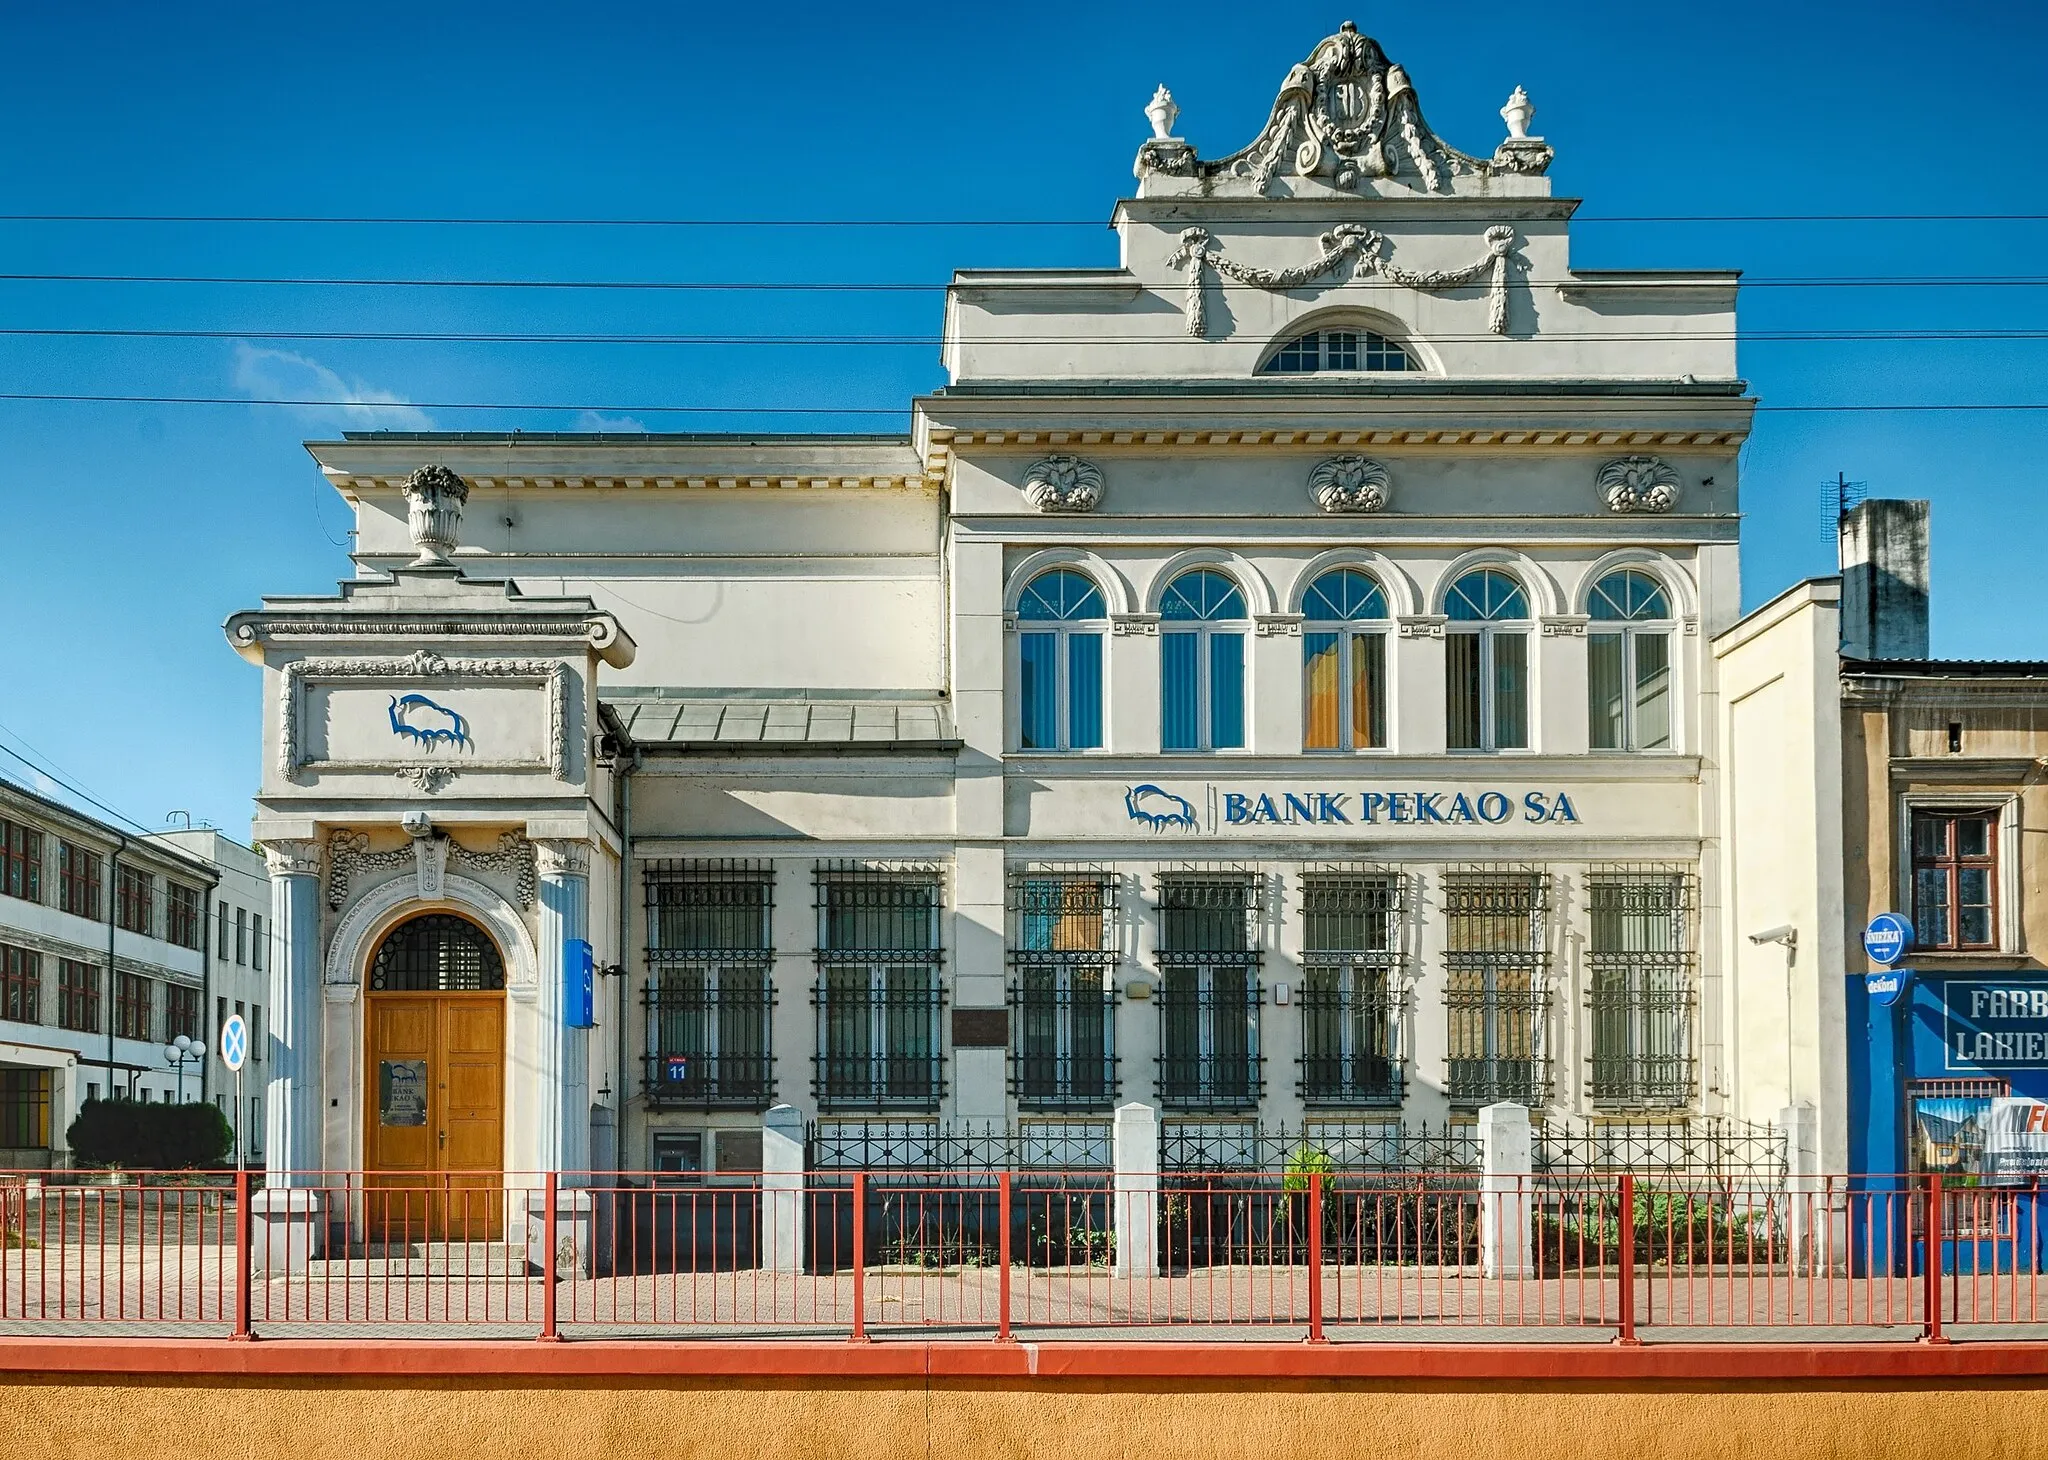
point(434, 1137)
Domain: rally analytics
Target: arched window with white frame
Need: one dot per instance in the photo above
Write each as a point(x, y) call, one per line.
point(1061, 621)
point(1345, 349)
point(1201, 662)
point(1628, 662)
point(1486, 654)
point(1344, 662)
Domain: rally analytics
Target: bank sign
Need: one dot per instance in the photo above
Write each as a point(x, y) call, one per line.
point(1994, 1024)
point(1163, 808)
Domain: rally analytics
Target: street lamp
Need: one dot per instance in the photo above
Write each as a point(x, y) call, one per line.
point(182, 1051)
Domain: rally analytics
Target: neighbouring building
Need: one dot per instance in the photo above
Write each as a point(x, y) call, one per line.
point(1270, 681)
point(106, 956)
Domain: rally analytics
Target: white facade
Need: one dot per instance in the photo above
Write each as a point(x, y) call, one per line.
point(72, 890)
point(790, 695)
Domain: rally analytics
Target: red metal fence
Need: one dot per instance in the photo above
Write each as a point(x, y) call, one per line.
point(1316, 1256)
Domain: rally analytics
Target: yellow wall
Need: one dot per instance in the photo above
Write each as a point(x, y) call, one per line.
point(510, 1419)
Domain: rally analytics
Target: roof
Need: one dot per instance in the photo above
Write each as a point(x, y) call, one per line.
point(733, 720)
point(1947, 668)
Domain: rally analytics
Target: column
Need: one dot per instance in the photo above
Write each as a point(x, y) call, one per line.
point(562, 1061)
point(782, 1190)
point(288, 1217)
point(1135, 1190)
point(291, 1147)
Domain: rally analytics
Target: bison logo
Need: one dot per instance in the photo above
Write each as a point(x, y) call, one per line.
point(438, 725)
point(1159, 808)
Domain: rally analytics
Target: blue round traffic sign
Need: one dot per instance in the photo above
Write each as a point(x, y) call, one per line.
point(1886, 938)
point(234, 1042)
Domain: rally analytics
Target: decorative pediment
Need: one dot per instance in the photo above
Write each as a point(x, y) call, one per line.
point(1345, 115)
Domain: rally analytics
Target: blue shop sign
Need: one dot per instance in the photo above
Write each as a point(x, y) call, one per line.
point(1162, 808)
point(1886, 938)
point(1885, 985)
point(579, 994)
point(1994, 1024)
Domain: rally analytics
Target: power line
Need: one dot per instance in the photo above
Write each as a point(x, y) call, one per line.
point(1584, 408)
point(47, 772)
point(808, 286)
point(398, 220)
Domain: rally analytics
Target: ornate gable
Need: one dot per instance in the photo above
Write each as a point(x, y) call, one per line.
point(1347, 118)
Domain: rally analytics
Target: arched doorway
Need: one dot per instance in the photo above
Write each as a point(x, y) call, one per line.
point(434, 1122)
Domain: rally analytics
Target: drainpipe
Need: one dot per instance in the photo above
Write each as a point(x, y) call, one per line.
point(206, 985)
point(626, 774)
point(113, 898)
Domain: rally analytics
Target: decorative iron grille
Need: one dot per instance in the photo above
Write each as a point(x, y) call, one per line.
point(1640, 960)
point(1352, 989)
point(1211, 924)
point(1064, 950)
point(878, 994)
point(1705, 1146)
point(934, 1146)
point(709, 991)
point(1337, 1145)
point(1497, 984)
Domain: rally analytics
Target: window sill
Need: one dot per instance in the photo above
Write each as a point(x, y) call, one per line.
point(1945, 957)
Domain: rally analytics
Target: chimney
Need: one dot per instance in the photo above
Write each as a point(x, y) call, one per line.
point(1884, 580)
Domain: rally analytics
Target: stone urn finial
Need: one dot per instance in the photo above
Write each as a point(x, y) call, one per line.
point(1162, 113)
point(435, 494)
point(1517, 114)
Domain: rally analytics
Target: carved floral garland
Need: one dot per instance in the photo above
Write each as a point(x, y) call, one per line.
point(1347, 240)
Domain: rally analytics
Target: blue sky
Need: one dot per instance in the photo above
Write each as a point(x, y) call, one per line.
point(132, 530)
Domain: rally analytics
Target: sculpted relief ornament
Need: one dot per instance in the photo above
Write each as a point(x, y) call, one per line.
point(1638, 484)
point(1350, 484)
point(1062, 483)
point(1365, 248)
point(1343, 116)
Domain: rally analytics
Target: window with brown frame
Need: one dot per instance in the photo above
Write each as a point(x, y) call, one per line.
point(78, 995)
point(181, 1011)
point(184, 911)
point(1955, 879)
point(132, 1007)
point(78, 880)
point(21, 984)
point(134, 891)
point(21, 861)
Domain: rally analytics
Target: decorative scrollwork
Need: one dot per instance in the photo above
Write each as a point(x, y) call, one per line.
point(1639, 484)
point(348, 853)
point(1350, 484)
point(1193, 256)
point(1062, 483)
point(425, 778)
point(514, 858)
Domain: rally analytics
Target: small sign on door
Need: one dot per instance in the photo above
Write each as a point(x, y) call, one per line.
point(402, 1092)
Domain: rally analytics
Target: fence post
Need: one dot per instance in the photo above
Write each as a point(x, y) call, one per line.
point(1315, 1257)
point(1930, 1258)
point(1134, 1214)
point(243, 1258)
point(1628, 1261)
point(1807, 1224)
point(782, 1189)
point(1504, 1207)
point(549, 1331)
point(860, 1258)
point(1003, 1258)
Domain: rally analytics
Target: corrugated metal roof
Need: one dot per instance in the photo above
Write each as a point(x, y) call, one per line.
point(785, 724)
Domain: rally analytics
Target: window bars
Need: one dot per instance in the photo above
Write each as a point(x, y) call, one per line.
point(1211, 924)
point(709, 991)
point(1497, 984)
point(878, 994)
point(437, 953)
point(1064, 949)
point(1640, 957)
point(1352, 990)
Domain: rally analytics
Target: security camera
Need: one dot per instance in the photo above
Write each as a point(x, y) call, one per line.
point(417, 823)
point(1784, 933)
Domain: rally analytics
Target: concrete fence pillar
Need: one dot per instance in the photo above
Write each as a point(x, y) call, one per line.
point(1134, 1199)
point(1808, 1223)
point(782, 1189)
point(1505, 1208)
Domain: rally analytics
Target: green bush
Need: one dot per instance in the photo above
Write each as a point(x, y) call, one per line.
point(140, 1137)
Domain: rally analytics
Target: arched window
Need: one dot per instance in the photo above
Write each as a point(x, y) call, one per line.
point(1059, 658)
point(1486, 652)
point(437, 953)
point(1201, 663)
point(1628, 662)
point(1344, 662)
point(1338, 349)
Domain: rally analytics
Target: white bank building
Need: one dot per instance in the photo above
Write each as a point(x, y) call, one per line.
point(1267, 683)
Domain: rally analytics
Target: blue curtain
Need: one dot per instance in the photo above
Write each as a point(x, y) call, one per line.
point(1040, 696)
point(1180, 702)
point(1084, 691)
point(1226, 691)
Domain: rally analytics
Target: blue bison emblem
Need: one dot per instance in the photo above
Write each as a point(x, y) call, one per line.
point(438, 725)
point(1159, 808)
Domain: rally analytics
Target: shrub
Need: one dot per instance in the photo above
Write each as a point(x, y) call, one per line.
point(142, 1137)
